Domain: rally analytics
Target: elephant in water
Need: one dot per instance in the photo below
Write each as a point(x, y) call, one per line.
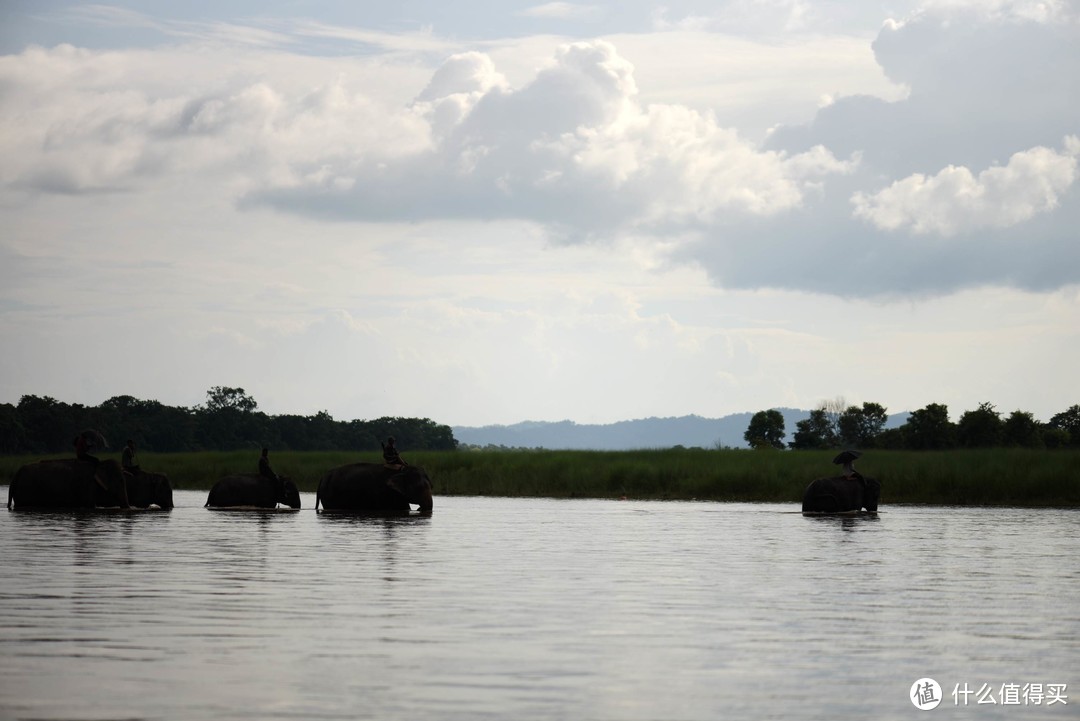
point(841, 495)
point(147, 489)
point(374, 487)
point(253, 489)
point(68, 483)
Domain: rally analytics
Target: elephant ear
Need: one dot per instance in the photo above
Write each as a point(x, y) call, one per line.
point(100, 481)
point(396, 484)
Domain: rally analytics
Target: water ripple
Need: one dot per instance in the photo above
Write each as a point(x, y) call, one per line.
point(528, 609)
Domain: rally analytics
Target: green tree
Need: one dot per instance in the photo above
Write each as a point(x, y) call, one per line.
point(814, 433)
point(766, 430)
point(929, 428)
point(1021, 429)
point(980, 428)
point(50, 425)
point(892, 439)
point(323, 430)
point(151, 424)
point(1054, 438)
point(1068, 421)
point(858, 427)
point(12, 433)
point(229, 420)
point(220, 398)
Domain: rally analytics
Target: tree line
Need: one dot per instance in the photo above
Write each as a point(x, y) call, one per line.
point(834, 425)
point(228, 420)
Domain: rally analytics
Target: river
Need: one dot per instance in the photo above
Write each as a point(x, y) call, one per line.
point(501, 608)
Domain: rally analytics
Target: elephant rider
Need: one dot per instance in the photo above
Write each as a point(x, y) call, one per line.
point(847, 461)
point(391, 458)
point(264, 466)
point(83, 443)
point(127, 459)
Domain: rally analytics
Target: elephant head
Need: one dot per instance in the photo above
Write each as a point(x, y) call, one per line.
point(109, 477)
point(413, 483)
point(871, 494)
point(146, 489)
point(290, 494)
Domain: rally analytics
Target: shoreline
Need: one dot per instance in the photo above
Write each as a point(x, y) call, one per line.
point(991, 477)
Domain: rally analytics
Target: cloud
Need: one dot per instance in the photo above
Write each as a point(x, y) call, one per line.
point(423, 40)
point(956, 200)
point(572, 149)
point(970, 164)
point(218, 32)
point(562, 11)
point(771, 18)
point(80, 121)
point(959, 183)
point(1044, 11)
point(455, 88)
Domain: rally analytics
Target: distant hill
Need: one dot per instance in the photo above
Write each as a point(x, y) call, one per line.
point(688, 431)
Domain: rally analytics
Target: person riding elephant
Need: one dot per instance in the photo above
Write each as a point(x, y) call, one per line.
point(841, 494)
point(68, 483)
point(374, 487)
point(128, 459)
point(264, 466)
point(391, 458)
point(847, 460)
point(85, 442)
point(253, 489)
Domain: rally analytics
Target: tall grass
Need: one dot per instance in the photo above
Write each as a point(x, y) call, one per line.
point(961, 477)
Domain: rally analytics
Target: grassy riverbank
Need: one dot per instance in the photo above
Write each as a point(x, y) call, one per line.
point(996, 477)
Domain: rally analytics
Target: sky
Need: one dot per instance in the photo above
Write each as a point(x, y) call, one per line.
point(491, 211)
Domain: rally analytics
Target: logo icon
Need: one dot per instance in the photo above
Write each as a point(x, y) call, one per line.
point(925, 694)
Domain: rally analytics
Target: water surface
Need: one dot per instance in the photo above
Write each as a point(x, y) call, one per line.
point(521, 609)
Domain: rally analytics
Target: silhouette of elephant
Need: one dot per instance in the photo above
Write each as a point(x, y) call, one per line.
point(374, 487)
point(68, 483)
point(253, 489)
point(838, 494)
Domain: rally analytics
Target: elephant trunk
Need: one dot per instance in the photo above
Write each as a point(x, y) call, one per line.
point(425, 501)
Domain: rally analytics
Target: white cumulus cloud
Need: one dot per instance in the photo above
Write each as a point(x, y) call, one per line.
point(956, 200)
point(573, 149)
point(585, 147)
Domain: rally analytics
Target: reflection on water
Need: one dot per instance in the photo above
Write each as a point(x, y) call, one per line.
point(530, 609)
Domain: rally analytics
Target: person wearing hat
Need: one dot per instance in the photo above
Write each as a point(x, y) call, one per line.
point(391, 458)
point(84, 442)
point(847, 460)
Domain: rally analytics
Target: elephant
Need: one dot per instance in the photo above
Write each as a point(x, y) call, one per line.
point(253, 489)
point(147, 489)
point(68, 483)
point(839, 494)
point(374, 487)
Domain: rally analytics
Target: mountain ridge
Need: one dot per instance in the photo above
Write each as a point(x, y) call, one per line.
point(653, 432)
